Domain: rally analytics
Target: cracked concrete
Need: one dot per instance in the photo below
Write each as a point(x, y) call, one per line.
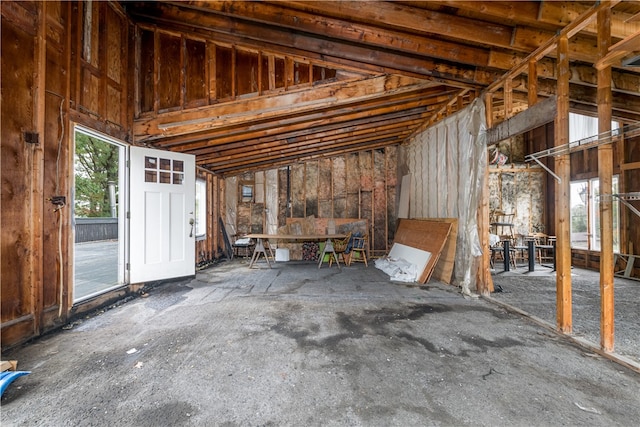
point(297, 345)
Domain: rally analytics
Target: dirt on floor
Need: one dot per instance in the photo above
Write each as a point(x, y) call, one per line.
point(297, 345)
point(535, 293)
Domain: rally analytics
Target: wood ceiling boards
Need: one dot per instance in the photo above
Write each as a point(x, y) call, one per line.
point(399, 65)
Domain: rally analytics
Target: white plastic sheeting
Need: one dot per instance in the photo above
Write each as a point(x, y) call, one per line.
point(231, 203)
point(398, 269)
point(271, 200)
point(448, 162)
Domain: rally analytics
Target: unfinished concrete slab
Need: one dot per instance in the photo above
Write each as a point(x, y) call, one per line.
point(297, 345)
point(535, 293)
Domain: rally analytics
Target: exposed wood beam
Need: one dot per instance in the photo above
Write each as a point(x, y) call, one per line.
point(332, 49)
point(562, 168)
point(310, 141)
point(312, 19)
point(618, 51)
point(288, 160)
point(262, 128)
point(605, 176)
point(546, 48)
point(550, 15)
point(326, 144)
point(286, 134)
point(424, 22)
point(282, 105)
point(537, 115)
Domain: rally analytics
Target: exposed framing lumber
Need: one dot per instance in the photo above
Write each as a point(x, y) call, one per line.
point(324, 119)
point(484, 284)
point(335, 53)
point(36, 271)
point(279, 146)
point(548, 47)
point(605, 175)
point(562, 194)
point(285, 104)
point(536, 115)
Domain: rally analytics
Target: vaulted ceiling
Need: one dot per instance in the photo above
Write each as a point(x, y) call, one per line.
point(403, 66)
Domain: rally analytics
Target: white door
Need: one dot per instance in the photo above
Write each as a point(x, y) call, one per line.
point(162, 205)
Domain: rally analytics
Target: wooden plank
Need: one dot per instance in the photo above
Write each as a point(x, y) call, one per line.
point(405, 194)
point(334, 118)
point(605, 175)
point(283, 104)
point(535, 116)
point(443, 270)
point(562, 194)
point(8, 365)
point(630, 166)
point(429, 236)
point(532, 83)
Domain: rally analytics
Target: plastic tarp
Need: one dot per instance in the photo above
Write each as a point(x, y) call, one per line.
point(448, 162)
point(231, 202)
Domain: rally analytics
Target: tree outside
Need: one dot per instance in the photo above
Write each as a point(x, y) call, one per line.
point(96, 163)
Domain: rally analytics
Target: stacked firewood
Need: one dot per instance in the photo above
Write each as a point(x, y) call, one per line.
point(310, 251)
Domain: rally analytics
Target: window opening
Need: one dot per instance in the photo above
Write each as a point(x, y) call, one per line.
point(585, 215)
point(201, 209)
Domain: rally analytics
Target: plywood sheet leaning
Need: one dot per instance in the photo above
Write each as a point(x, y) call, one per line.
point(443, 270)
point(428, 235)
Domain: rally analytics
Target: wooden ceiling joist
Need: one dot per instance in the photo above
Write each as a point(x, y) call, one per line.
point(284, 104)
point(402, 66)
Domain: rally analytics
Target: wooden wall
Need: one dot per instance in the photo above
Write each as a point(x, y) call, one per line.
point(180, 71)
point(357, 185)
point(60, 64)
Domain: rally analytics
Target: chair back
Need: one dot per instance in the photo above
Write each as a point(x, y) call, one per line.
point(341, 245)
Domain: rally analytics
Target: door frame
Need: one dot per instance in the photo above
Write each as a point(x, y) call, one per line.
point(123, 209)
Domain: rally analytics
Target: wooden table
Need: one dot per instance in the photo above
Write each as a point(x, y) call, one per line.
point(260, 249)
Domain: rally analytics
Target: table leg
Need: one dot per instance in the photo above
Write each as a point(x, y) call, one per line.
point(532, 254)
point(328, 246)
point(256, 254)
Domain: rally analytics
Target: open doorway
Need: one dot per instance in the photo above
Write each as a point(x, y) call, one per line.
point(98, 214)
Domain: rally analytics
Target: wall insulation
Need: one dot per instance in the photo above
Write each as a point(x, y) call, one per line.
point(448, 163)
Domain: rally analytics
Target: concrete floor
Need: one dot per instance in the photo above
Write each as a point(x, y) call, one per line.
point(296, 345)
point(535, 293)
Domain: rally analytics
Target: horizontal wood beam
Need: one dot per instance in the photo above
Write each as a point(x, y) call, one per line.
point(310, 141)
point(272, 107)
point(536, 115)
point(233, 30)
point(262, 128)
point(248, 144)
point(549, 46)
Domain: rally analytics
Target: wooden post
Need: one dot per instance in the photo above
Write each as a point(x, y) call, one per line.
point(605, 174)
point(562, 205)
point(508, 98)
point(484, 285)
point(533, 82)
point(37, 175)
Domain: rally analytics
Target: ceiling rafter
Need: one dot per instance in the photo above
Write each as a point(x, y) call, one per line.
point(404, 65)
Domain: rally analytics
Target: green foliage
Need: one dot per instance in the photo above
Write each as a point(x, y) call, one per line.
point(96, 164)
point(579, 219)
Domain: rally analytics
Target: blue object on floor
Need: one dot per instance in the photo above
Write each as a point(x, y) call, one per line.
point(7, 378)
